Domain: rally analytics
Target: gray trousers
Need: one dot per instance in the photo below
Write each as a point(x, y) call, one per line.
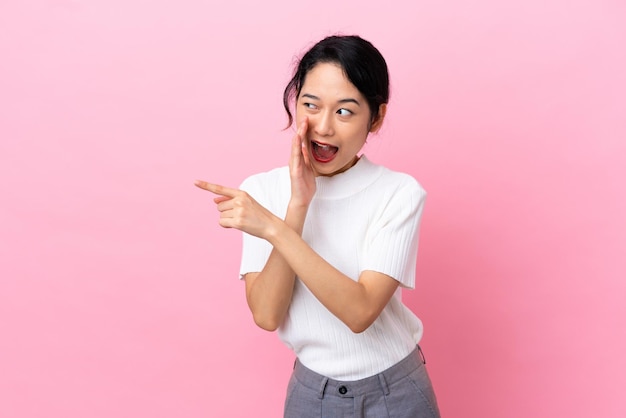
point(402, 391)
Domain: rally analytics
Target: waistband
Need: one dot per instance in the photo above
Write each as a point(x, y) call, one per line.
point(348, 389)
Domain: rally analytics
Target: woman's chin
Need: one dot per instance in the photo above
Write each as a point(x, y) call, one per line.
point(331, 168)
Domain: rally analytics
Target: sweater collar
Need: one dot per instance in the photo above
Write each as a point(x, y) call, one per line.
point(350, 182)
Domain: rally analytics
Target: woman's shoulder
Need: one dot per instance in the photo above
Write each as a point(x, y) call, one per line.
point(268, 186)
point(399, 193)
point(399, 180)
point(267, 178)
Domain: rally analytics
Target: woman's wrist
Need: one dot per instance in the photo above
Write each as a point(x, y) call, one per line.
point(298, 206)
point(296, 215)
point(276, 229)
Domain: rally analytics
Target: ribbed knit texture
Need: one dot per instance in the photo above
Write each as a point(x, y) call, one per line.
point(366, 218)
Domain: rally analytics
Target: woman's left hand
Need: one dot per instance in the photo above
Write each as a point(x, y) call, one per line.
point(240, 211)
point(301, 171)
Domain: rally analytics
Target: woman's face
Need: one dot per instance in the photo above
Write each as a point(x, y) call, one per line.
point(339, 118)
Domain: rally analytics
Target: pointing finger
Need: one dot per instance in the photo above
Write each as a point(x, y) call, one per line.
point(217, 189)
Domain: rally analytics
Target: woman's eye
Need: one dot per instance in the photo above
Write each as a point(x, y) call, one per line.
point(310, 106)
point(344, 112)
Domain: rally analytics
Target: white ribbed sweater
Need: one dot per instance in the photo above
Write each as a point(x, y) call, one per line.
point(366, 218)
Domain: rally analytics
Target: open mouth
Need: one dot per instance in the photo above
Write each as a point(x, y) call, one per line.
point(323, 152)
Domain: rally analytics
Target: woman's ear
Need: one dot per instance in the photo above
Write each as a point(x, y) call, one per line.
point(378, 122)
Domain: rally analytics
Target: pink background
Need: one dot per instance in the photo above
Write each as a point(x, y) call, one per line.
point(118, 291)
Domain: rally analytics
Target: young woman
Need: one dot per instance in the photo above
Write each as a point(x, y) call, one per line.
point(330, 240)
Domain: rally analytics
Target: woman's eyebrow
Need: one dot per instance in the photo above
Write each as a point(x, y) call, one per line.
point(348, 100)
point(355, 101)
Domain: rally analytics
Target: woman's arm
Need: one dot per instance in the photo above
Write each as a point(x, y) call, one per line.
point(357, 304)
point(269, 292)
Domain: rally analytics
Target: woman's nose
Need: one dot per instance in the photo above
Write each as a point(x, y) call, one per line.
point(322, 124)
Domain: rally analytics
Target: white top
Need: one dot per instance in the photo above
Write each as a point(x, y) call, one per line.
point(366, 218)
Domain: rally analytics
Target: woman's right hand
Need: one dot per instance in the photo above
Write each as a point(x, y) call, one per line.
point(301, 171)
